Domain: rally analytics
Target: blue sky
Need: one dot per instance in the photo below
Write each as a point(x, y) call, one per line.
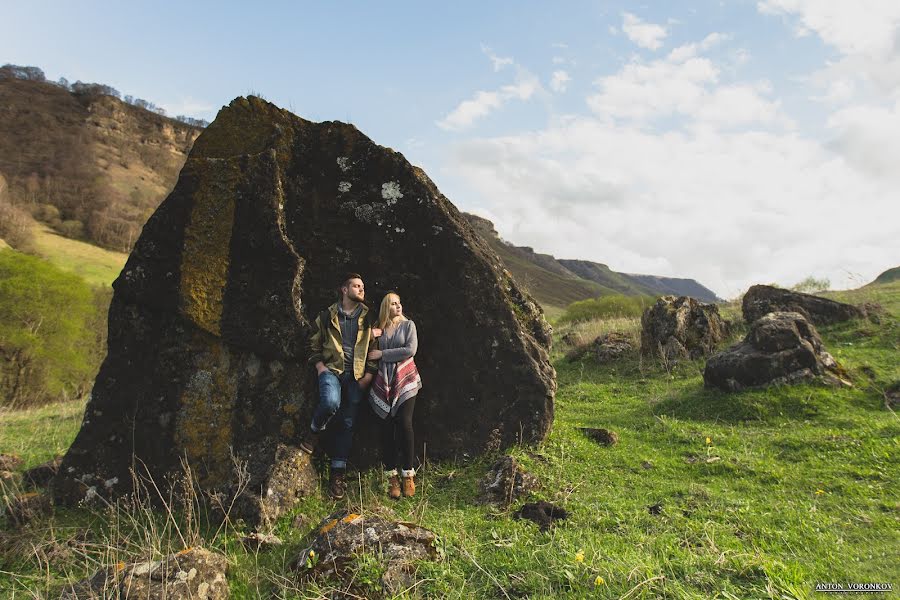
point(731, 142)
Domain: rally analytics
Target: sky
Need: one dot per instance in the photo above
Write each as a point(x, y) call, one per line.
point(729, 142)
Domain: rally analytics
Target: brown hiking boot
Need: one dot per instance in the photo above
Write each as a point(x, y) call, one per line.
point(409, 486)
point(337, 485)
point(310, 441)
point(394, 487)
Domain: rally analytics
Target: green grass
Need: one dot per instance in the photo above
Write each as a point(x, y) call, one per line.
point(95, 265)
point(762, 493)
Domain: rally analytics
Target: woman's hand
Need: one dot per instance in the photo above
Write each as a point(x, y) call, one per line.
point(376, 333)
point(374, 354)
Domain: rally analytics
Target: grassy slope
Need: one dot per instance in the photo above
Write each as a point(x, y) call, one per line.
point(96, 265)
point(795, 485)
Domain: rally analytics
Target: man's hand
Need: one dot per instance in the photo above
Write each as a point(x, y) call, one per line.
point(365, 381)
point(374, 354)
point(320, 368)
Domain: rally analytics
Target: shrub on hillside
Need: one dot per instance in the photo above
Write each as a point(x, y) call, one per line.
point(614, 306)
point(51, 331)
point(14, 222)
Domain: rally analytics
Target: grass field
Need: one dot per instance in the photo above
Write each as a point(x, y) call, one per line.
point(758, 494)
point(96, 265)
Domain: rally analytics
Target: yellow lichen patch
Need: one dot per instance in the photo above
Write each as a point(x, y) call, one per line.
point(185, 551)
point(287, 429)
point(328, 526)
point(203, 432)
point(207, 241)
point(351, 518)
point(120, 566)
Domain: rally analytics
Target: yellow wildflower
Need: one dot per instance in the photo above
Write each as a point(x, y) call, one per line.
point(599, 581)
point(579, 556)
point(312, 553)
point(819, 492)
point(708, 440)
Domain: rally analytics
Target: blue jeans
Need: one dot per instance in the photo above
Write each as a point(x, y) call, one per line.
point(339, 399)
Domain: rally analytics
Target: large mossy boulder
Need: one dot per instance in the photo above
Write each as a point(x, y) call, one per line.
point(780, 348)
point(762, 299)
point(681, 328)
point(209, 323)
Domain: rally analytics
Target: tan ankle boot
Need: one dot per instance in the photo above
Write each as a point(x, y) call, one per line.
point(409, 486)
point(394, 487)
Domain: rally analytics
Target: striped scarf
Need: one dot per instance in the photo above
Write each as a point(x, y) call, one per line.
point(386, 396)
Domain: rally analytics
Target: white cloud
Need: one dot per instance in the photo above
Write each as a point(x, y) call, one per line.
point(559, 81)
point(499, 62)
point(482, 103)
point(727, 191)
point(645, 35)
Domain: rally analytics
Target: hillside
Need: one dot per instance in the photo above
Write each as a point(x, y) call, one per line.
point(556, 283)
point(89, 165)
point(888, 276)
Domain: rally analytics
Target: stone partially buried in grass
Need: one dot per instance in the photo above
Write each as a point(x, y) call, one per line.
point(191, 574)
point(41, 475)
point(543, 513)
point(604, 437)
point(343, 537)
point(506, 481)
point(781, 348)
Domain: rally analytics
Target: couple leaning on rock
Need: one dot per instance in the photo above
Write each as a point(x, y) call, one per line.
point(355, 355)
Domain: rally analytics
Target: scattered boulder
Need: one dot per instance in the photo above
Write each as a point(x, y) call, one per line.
point(342, 536)
point(780, 348)
point(192, 574)
point(23, 508)
point(604, 437)
point(506, 481)
point(762, 299)
point(210, 317)
point(543, 513)
point(41, 475)
point(680, 328)
point(289, 478)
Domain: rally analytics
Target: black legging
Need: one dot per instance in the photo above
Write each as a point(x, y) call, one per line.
point(397, 438)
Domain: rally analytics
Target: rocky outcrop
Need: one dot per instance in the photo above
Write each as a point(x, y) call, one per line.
point(343, 537)
point(681, 327)
point(209, 323)
point(192, 574)
point(781, 348)
point(762, 299)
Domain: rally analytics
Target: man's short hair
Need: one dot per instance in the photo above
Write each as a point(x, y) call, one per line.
point(348, 277)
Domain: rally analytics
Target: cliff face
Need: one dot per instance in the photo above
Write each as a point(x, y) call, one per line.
point(92, 167)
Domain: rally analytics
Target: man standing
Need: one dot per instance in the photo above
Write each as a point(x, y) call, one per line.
point(341, 340)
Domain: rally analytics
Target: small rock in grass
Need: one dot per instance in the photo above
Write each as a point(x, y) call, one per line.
point(543, 513)
point(41, 475)
point(506, 481)
point(604, 437)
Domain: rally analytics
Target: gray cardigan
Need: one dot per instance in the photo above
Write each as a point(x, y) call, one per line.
point(401, 344)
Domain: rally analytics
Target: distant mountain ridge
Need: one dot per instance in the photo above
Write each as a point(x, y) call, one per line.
point(888, 276)
point(556, 283)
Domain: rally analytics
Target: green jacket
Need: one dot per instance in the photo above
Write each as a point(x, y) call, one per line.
point(325, 344)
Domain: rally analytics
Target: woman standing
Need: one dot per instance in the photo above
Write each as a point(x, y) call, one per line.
point(393, 394)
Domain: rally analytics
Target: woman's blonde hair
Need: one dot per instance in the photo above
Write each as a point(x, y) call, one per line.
point(384, 313)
